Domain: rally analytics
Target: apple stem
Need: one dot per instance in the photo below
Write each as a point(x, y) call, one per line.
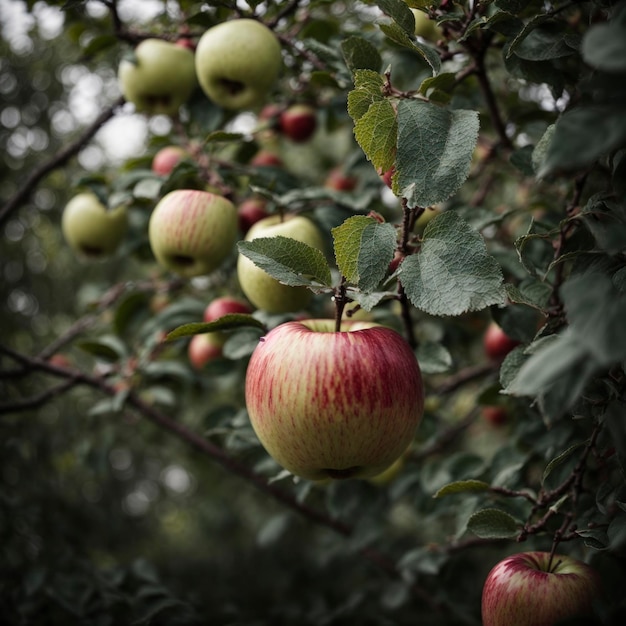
point(340, 303)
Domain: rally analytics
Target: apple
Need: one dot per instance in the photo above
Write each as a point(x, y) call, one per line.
point(266, 158)
point(160, 78)
point(530, 589)
point(191, 232)
point(237, 63)
point(327, 404)
point(494, 414)
point(298, 122)
point(167, 158)
point(258, 286)
point(250, 211)
point(390, 474)
point(225, 305)
point(90, 228)
point(339, 180)
point(205, 348)
point(425, 27)
point(497, 344)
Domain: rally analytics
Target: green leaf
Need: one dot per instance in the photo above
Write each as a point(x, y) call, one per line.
point(376, 133)
point(582, 135)
point(433, 357)
point(360, 54)
point(493, 524)
point(462, 486)
point(368, 88)
point(559, 460)
point(226, 322)
point(435, 148)
point(604, 46)
point(596, 312)
point(289, 261)
point(452, 273)
point(109, 348)
point(400, 13)
point(223, 136)
point(363, 250)
point(398, 35)
point(543, 45)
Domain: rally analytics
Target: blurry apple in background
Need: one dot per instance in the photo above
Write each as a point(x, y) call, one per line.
point(167, 158)
point(339, 180)
point(387, 176)
point(298, 122)
point(205, 348)
point(425, 27)
point(160, 78)
point(263, 291)
point(531, 589)
point(238, 62)
point(328, 404)
point(92, 230)
point(266, 158)
point(497, 344)
point(250, 211)
point(495, 414)
point(225, 305)
point(192, 232)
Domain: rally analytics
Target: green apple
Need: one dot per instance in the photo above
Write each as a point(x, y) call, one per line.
point(425, 27)
point(90, 228)
point(191, 232)
point(327, 404)
point(237, 63)
point(258, 286)
point(161, 77)
point(536, 589)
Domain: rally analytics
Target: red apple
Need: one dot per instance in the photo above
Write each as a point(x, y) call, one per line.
point(224, 305)
point(497, 344)
point(328, 404)
point(338, 180)
point(530, 589)
point(265, 158)
point(298, 122)
point(204, 348)
point(496, 415)
point(166, 159)
point(249, 212)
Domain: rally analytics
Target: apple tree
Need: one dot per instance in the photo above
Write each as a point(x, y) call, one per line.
point(424, 203)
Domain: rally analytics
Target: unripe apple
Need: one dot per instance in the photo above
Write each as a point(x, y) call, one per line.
point(497, 344)
point(205, 348)
point(250, 211)
point(532, 589)
point(192, 232)
point(162, 77)
point(425, 27)
point(225, 305)
point(298, 122)
point(328, 404)
point(258, 286)
point(237, 63)
point(339, 180)
point(90, 228)
point(167, 158)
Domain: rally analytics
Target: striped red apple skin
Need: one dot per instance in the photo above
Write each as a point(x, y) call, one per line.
point(328, 404)
point(535, 589)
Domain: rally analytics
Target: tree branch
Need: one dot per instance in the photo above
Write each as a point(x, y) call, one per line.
point(58, 160)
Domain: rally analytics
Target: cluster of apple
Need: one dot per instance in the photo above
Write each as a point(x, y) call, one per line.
point(309, 388)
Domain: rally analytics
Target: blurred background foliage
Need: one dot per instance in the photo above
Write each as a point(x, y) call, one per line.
point(106, 518)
